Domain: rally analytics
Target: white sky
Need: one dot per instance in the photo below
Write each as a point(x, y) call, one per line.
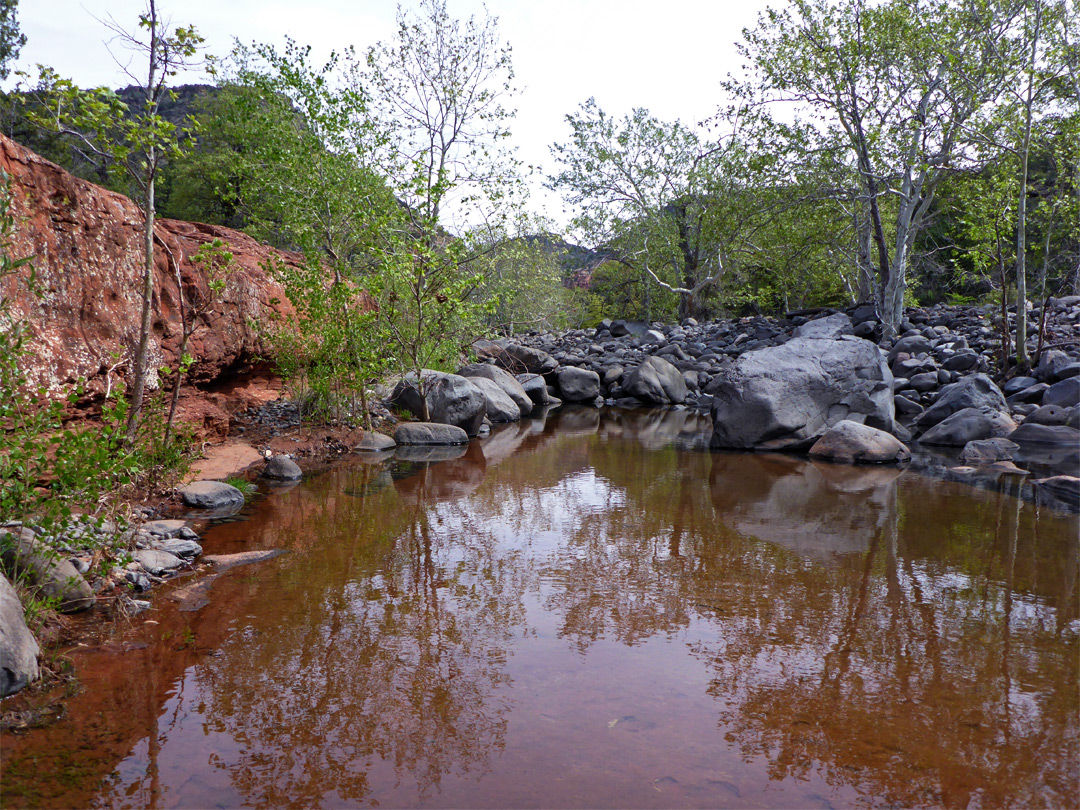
point(665, 55)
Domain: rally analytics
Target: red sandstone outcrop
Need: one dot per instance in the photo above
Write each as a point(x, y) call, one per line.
point(87, 247)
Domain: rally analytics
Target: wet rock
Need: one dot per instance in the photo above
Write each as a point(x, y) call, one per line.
point(215, 495)
point(53, 578)
point(656, 381)
point(850, 442)
point(156, 561)
point(969, 424)
point(375, 443)
point(988, 451)
point(429, 433)
point(224, 561)
point(975, 391)
point(281, 468)
point(786, 397)
point(578, 384)
point(18, 648)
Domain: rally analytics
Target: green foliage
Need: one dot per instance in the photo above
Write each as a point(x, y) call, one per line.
point(247, 488)
point(11, 38)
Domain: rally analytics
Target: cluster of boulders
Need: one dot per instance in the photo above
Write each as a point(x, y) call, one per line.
point(825, 383)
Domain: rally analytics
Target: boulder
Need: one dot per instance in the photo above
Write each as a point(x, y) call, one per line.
point(451, 399)
point(180, 548)
point(155, 561)
point(988, 451)
point(831, 326)
point(515, 358)
point(969, 424)
point(536, 388)
point(18, 648)
point(850, 442)
point(1048, 415)
point(1031, 433)
point(215, 495)
point(281, 468)
point(429, 433)
point(375, 443)
point(578, 384)
point(53, 578)
point(504, 379)
point(655, 381)
point(974, 391)
point(499, 406)
point(787, 396)
point(1064, 394)
point(621, 328)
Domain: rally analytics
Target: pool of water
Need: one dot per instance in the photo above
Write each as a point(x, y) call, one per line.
point(592, 610)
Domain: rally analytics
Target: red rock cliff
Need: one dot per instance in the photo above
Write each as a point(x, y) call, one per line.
point(87, 244)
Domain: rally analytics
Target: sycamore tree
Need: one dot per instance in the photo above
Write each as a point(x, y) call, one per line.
point(103, 128)
point(640, 188)
point(440, 88)
point(897, 84)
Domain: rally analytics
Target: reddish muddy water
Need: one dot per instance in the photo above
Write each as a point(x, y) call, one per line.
point(593, 611)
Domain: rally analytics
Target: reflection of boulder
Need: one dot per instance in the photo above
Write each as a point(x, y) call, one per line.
point(503, 441)
point(443, 480)
point(429, 452)
point(575, 419)
point(817, 512)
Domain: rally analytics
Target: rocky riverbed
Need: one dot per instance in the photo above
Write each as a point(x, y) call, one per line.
point(822, 383)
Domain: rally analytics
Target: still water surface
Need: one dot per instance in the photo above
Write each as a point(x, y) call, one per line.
point(592, 611)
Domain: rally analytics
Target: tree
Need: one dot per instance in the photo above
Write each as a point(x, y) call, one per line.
point(11, 38)
point(896, 84)
point(104, 128)
point(640, 186)
point(440, 87)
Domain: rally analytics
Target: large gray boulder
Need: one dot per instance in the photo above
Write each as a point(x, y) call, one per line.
point(514, 358)
point(53, 578)
point(18, 648)
point(974, 391)
point(500, 407)
point(451, 399)
point(787, 396)
point(505, 380)
point(968, 425)
point(655, 381)
point(849, 442)
point(578, 384)
point(429, 433)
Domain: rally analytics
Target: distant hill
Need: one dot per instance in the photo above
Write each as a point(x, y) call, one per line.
point(577, 262)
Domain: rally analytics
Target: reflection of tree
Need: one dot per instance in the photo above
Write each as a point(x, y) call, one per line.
point(905, 681)
point(387, 647)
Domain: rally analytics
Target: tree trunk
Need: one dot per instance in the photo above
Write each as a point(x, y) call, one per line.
point(142, 355)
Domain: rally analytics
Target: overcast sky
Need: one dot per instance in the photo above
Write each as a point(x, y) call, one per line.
point(666, 55)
